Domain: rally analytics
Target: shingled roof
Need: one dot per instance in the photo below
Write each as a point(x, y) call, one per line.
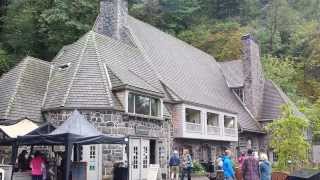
point(86, 72)
point(273, 96)
point(22, 90)
point(233, 72)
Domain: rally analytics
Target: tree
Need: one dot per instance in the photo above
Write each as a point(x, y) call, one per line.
point(282, 72)
point(5, 63)
point(287, 138)
point(221, 40)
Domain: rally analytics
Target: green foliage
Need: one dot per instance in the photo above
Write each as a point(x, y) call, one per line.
point(287, 138)
point(282, 72)
point(41, 28)
point(5, 63)
point(221, 40)
point(198, 169)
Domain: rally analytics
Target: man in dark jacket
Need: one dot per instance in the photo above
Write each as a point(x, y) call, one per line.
point(174, 165)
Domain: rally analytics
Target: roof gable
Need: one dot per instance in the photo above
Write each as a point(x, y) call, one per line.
point(23, 89)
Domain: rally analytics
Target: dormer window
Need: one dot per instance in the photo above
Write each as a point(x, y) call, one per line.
point(144, 105)
point(240, 93)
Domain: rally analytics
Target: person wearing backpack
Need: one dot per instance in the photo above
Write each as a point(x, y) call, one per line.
point(265, 167)
point(174, 164)
point(186, 164)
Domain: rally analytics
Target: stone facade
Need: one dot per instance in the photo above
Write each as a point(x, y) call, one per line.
point(114, 15)
point(117, 123)
point(253, 74)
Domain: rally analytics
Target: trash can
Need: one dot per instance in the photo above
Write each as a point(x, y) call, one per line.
point(1, 174)
point(120, 172)
point(305, 174)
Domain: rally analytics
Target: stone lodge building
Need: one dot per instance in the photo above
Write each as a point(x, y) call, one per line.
point(129, 78)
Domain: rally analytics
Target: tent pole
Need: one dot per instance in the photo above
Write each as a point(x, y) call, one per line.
point(14, 157)
point(67, 162)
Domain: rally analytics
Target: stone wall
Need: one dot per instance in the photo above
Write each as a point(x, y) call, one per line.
point(117, 123)
point(253, 74)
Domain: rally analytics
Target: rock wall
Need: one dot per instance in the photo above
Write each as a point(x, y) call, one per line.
point(117, 123)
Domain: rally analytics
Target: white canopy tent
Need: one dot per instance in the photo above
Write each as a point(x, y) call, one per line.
point(21, 128)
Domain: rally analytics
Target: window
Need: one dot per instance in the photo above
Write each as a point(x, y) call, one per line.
point(139, 104)
point(212, 119)
point(240, 93)
point(142, 105)
point(229, 122)
point(193, 116)
point(131, 103)
point(92, 152)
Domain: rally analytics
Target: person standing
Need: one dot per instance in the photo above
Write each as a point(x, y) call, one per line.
point(23, 164)
point(241, 159)
point(250, 167)
point(228, 170)
point(186, 164)
point(174, 164)
point(37, 165)
point(265, 167)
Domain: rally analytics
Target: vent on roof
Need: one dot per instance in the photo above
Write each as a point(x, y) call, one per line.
point(64, 66)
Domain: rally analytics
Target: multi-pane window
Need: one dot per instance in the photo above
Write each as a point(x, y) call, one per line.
point(240, 93)
point(229, 122)
point(212, 119)
point(92, 152)
point(139, 104)
point(145, 157)
point(193, 116)
point(135, 157)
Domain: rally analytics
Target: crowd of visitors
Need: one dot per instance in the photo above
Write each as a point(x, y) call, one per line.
point(40, 166)
point(252, 166)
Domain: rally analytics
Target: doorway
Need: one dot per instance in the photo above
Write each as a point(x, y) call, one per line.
point(139, 158)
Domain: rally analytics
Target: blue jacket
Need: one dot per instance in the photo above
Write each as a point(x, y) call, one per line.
point(228, 167)
point(265, 170)
point(174, 161)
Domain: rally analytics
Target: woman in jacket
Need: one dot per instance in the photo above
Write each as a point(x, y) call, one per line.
point(265, 167)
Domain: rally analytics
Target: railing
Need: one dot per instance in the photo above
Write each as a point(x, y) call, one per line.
point(213, 130)
point(193, 127)
point(230, 132)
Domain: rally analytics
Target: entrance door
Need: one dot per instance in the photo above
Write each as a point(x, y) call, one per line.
point(92, 155)
point(139, 158)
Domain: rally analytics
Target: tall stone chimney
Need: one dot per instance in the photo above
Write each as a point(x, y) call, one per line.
point(253, 74)
point(112, 18)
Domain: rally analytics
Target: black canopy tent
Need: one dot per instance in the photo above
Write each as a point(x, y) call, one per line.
point(74, 131)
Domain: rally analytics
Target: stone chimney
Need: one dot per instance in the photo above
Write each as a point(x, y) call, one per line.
point(112, 18)
point(253, 75)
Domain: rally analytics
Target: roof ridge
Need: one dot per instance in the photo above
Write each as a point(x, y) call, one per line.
point(76, 70)
point(24, 64)
point(47, 88)
point(105, 75)
point(115, 74)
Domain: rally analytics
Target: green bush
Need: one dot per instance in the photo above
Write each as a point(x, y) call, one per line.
point(198, 169)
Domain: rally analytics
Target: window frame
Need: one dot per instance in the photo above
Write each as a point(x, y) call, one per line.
point(234, 121)
point(200, 118)
point(218, 120)
point(150, 98)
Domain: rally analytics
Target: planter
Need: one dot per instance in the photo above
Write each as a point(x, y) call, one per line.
point(279, 175)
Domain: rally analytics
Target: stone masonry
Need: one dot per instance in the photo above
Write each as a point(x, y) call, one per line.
point(117, 123)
